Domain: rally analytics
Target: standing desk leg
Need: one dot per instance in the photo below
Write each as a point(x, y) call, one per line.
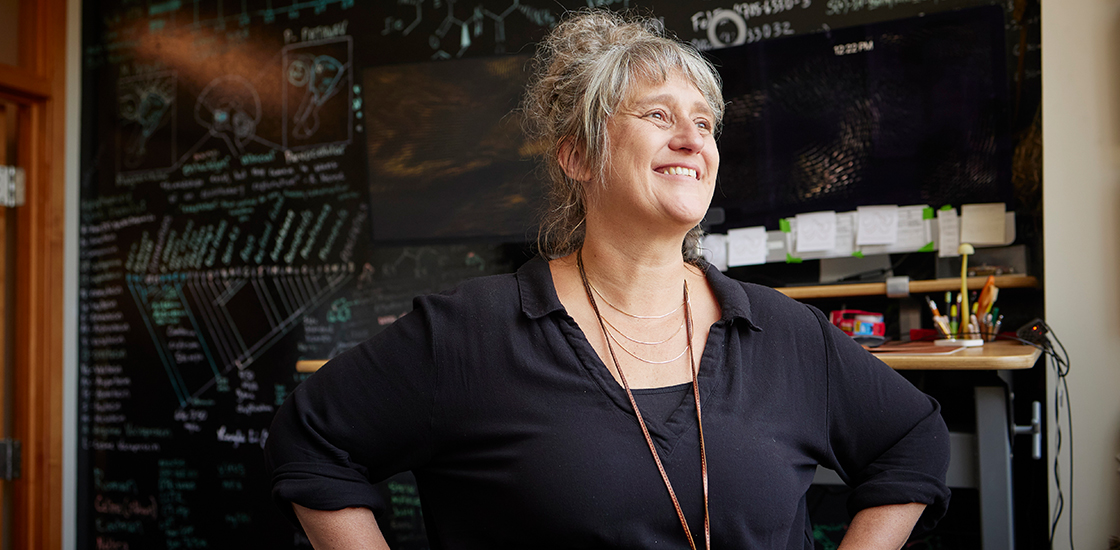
point(997, 523)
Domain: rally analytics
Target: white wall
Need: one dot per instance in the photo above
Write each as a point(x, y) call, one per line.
point(1081, 194)
point(70, 319)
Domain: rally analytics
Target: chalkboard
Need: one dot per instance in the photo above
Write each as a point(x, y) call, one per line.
point(262, 182)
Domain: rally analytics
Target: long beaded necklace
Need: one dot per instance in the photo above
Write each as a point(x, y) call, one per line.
point(641, 422)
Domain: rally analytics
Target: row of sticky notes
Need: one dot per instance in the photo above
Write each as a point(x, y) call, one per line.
point(882, 229)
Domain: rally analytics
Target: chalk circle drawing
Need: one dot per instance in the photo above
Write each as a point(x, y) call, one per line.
point(733, 17)
point(145, 106)
point(318, 86)
point(230, 108)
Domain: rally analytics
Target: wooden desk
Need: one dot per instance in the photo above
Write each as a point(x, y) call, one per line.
point(998, 355)
point(981, 460)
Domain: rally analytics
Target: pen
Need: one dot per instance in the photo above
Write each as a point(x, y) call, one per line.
point(953, 323)
point(932, 306)
point(938, 321)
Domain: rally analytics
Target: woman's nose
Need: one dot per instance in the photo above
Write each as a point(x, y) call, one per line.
point(687, 138)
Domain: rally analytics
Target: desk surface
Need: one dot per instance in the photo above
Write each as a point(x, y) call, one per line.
point(998, 355)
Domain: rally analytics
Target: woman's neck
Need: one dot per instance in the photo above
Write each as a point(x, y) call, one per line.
point(640, 278)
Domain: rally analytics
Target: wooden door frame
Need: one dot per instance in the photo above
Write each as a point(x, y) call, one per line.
point(40, 80)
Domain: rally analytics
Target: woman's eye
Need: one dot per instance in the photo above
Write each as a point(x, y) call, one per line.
point(658, 115)
point(703, 125)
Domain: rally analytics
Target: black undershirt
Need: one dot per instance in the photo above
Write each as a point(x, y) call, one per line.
point(657, 404)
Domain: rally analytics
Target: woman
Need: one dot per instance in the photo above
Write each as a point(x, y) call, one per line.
point(619, 394)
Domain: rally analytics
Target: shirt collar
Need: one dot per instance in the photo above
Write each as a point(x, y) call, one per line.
point(538, 294)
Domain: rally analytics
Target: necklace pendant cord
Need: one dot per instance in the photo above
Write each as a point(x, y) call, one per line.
point(641, 422)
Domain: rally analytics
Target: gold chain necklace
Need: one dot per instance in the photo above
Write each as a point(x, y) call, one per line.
point(636, 341)
point(642, 422)
point(628, 314)
point(642, 359)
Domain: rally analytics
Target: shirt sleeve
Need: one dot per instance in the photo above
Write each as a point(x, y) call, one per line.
point(363, 417)
point(887, 439)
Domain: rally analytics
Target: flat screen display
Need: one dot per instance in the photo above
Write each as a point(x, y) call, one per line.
point(912, 111)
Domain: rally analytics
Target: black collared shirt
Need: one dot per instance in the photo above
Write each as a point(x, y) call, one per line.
point(519, 437)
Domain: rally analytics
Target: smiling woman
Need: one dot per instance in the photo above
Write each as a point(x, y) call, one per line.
point(616, 392)
point(585, 69)
point(663, 163)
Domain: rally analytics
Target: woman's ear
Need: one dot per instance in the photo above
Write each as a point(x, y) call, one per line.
point(572, 161)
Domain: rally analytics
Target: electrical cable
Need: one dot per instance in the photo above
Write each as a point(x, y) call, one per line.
point(1061, 367)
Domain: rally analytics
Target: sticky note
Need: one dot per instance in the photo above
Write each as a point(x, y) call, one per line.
point(948, 233)
point(912, 231)
point(816, 231)
point(983, 223)
point(746, 246)
point(845, 235)
point(913, 227)
point(714, 249)
point(877, 225)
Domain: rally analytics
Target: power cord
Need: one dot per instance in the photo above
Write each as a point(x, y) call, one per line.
point(1038, 334)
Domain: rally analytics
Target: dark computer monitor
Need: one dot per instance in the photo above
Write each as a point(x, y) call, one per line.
point(912, 111)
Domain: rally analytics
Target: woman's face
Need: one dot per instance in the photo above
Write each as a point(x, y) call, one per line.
point(663, 158)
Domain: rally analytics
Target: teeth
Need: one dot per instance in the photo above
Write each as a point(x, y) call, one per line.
point(679, 171)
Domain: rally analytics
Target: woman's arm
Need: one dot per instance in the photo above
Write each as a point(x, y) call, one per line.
point(348, 528)
point(882, 527)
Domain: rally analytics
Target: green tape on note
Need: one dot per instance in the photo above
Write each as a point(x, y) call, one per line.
point(927, 248)
point(858, 254)
point(927, 213)
point(783, 224)
point(791, 259)
point(947, 207)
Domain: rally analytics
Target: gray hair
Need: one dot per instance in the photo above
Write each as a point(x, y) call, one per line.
point(582, 72)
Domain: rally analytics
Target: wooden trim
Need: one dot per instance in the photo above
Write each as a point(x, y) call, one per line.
point(40, 83)
point(916, 287)
point(23, 84)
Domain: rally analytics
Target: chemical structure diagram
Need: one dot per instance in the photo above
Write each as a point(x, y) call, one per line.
point(453, 36)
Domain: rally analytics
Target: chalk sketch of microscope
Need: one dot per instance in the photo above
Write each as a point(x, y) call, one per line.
point(322, 77)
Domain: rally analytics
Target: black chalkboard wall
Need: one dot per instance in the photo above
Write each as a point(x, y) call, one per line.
point(266, 181)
